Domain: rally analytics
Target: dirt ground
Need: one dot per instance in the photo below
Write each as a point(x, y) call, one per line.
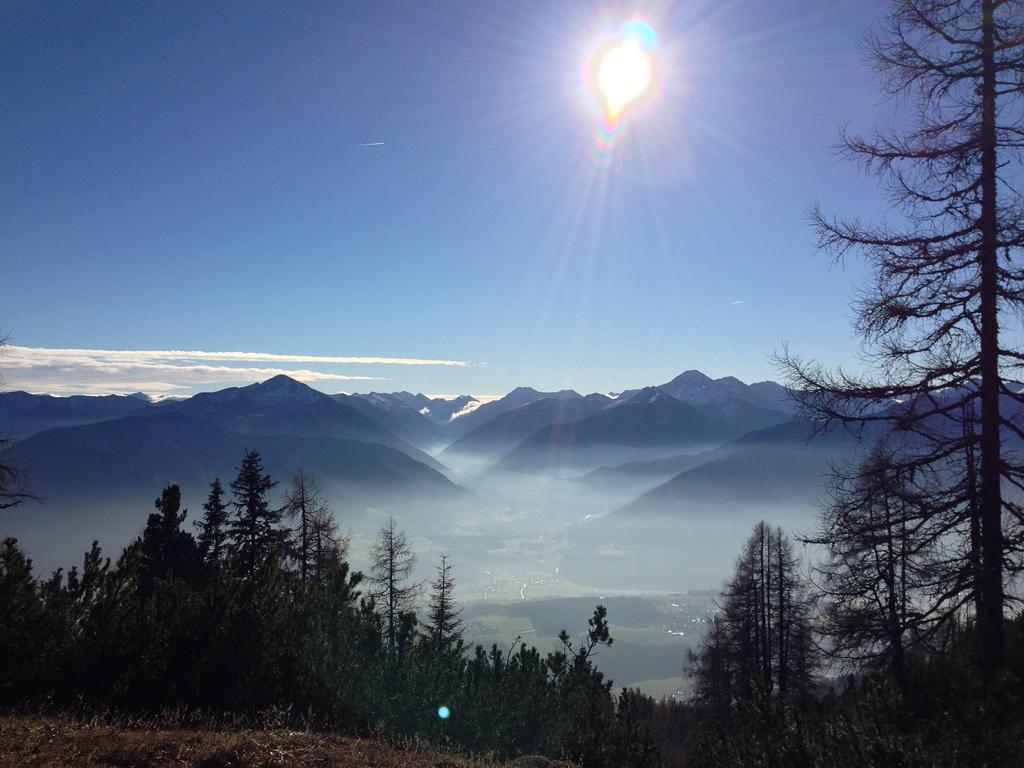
point(33, 742)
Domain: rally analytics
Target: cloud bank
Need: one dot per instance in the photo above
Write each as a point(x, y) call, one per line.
point(167, 372)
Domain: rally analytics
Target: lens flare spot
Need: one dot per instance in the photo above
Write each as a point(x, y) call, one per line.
point(443, 712)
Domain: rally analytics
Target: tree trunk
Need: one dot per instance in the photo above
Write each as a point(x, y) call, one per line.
point(990, 622)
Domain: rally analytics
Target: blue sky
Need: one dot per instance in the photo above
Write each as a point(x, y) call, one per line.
point(194, 176)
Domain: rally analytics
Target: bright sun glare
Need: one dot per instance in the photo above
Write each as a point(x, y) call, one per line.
point(621, 69)
point(623, 76)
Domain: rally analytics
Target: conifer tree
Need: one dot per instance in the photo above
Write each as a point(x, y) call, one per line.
point(444, 628)
point(165, 549)
point(22, 619)
point(213, 524)
point(254, 528)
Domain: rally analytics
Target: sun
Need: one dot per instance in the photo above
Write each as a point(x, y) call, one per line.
point(620, 71)
point(623, 75)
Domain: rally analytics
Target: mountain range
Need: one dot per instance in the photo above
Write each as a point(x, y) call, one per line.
point(95, 454)
point(66, 442)
point(628, 489)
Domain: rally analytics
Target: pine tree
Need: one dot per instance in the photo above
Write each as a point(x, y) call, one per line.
point(22, 619)
point(213, 525)
point(165, 549)
point(254, 528)
point(444, 628)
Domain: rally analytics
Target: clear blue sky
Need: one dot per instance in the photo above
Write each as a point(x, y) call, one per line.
point(193, 176)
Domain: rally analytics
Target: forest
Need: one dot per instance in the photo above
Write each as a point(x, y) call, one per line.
point(257, 615)
point(249, 614)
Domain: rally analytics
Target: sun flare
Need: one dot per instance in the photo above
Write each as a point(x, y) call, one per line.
point(621, 71)
point(623, 76)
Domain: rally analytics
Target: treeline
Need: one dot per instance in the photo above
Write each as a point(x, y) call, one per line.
point(845, 667)
point(253, 609)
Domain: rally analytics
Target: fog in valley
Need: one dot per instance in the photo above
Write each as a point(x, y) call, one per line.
point(545, 503)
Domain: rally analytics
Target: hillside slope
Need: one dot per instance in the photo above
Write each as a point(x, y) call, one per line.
point(648, 422)
point(49, 742)
point(284, 406)
point(506, 430)
point(23, 414)
point(147, 452)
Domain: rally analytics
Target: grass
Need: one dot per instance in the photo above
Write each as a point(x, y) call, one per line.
point(35, 742)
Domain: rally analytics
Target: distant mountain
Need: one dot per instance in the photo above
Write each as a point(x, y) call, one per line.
point(785, 464)
point(698, 389)
point(99, 480)
point(141, 453)
point(741, 407)
point(771, 394)
point(506, 430)
point(442, 410)
point(437, 409)
point(640, 476)
point(649, 423)
point(23, 414)
point(518, 397)
point(284, 406)
point(403, 420)
point(774, 466)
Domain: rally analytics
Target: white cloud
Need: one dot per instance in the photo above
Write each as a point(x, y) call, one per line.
point(162, 372)
point(137, 355)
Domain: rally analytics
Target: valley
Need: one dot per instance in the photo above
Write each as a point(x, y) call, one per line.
point(539, 499)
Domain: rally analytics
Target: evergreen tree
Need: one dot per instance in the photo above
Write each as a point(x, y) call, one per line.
point(165, 549)
point(444, 627)
point(254, 528)
point(213, 526)
point(21, 625)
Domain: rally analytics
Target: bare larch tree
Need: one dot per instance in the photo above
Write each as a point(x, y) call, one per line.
point(305, 503)
point(943, 278)
point(392, 563)
point(13, 484)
